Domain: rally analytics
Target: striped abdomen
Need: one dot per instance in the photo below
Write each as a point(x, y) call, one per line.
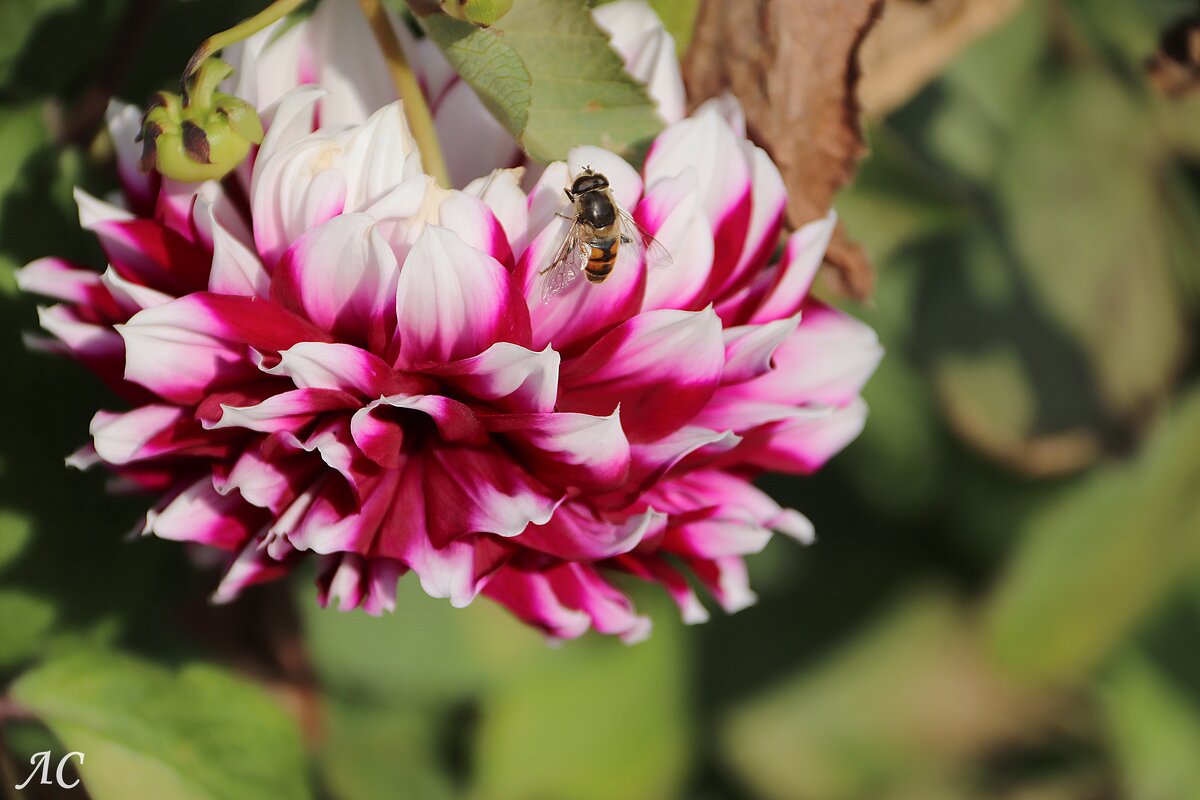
point(601, 259)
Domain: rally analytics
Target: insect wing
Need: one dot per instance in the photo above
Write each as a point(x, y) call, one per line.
point(655, 252)
point(566, 266)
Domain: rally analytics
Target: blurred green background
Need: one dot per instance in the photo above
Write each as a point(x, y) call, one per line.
point(1004, 601)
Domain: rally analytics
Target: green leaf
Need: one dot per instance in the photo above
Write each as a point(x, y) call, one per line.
point(1154, 731)
point(374, 752)
point(15, 531)
point(196, 734)
point(548, 74)
point(1094, 563)
point(592, 720)
point(25, 620)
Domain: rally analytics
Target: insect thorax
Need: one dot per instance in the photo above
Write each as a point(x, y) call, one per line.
point(597, 210)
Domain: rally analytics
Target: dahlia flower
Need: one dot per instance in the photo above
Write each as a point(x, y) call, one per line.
point(326, 355)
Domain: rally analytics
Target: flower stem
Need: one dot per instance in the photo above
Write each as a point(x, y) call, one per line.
point(420, 121)
point(243, 30)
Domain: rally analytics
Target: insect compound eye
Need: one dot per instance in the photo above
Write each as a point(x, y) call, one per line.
point(589, 183)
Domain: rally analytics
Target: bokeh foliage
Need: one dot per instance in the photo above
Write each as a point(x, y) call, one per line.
point(1005, 598)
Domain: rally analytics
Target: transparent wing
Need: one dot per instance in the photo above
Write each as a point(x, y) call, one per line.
point(634, 235)
point(566, 266)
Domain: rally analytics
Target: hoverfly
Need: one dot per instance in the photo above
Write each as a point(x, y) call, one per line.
point(598, 230)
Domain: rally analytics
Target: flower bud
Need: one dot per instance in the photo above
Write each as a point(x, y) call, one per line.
point(201, 135)
point(478, 12)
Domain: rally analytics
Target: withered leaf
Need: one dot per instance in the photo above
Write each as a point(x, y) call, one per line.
point(1175, 68)
point(914, 40)
point(793, 64)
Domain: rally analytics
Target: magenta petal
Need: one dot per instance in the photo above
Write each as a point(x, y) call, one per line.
point(793, 278)
point(459, 570)
point(199, 514)
point(650, 567)
point(726, 578)
point(750, 349)
point(287, 411)
point(802, 445)
point(379, 430)
point(672, 213)
point(530, 596)
point(145, 252)
point(185, 349)
point(151, 431)
point(577, 534)
point(342, 276)
point(508, 376)
point(567, 449)
point(827, 360)
point(767, 204)
point(252, 565)
point(271, 483)
point(454, 302)
point(661, 367)
point(334, 365)
point(580, 586)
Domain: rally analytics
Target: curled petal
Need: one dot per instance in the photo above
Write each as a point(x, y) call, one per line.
point(529, 595)
point(578, 534)
point(661, 367)
point(454, 302)
point(200, 514)
point(792, 279)
point(568, 449)
point(802, 445)
point(750, 349)
point(580, 586)
point(511, 377)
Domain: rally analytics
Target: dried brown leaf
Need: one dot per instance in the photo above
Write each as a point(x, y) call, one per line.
point(1175, 68)
point(793, 64)
point(915, 39)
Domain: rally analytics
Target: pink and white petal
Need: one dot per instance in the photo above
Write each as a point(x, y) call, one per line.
point(750, 349)
point(382, 576)
point(671, 212)
point(143, 433)
point(252, 565)
point(481, 489)
point(184, 349)
point(271, 483)
point(461, 569)
point(336, 522)
point(827, 360)
point(342, 276)
point(737, 409)
point(199, 514)
point(145, 252)
point(294, 190)
point(726, 578)
point(794, 276)
point(236, 269)
point(288, 411)
point(623, 179)
point(734, 497)
point(508, 376)
point(650, 461)
point(336, 365)
point(266, 65)
point(342, 54)
point(580, 586)
point(648, 50)
point(99, 347)
point(288, 120)
point(93, 211)
point(567, 449)
point(661, 367)
point(583, 310)
point(375, 156)
point(651, 568)
point(350, 581)
point(712, 536)
point(528, 594)
point(131, 297)
point(63, 280)
point(546, 198)
point(124, 122)
point(454, 302)
point(725, 188)
point(380, 429)
point(767, 206)
point(801, 445)
point(501, 191)
point(473, 140)
point(576, 533)
point(334, 443)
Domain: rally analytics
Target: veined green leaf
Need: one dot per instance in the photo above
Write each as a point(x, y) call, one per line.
point(548, 74)
point(197, 734)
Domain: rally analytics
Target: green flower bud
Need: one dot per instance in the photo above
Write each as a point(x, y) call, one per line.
point(201, 135)
point(478, 12)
